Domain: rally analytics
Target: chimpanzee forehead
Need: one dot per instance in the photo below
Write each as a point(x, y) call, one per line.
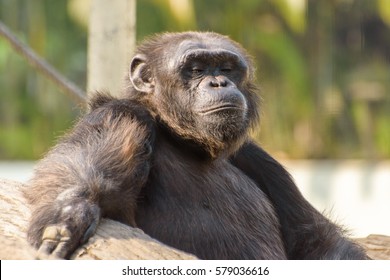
point(187, 46)
point(194, 43)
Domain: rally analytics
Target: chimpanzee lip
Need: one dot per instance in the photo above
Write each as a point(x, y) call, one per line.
point(221, 107)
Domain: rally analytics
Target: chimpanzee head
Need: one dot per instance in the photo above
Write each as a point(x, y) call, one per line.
point(199, 85)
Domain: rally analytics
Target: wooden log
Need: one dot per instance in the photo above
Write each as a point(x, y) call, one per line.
point(377, 246)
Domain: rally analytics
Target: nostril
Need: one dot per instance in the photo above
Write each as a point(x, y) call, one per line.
point(214, 83)
point(223, 83)
point(218, 82)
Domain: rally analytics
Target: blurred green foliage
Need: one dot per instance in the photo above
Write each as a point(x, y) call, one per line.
point(323, 67)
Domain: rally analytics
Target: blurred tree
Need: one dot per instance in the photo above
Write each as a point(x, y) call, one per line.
point(32, 109)
point(111, 43)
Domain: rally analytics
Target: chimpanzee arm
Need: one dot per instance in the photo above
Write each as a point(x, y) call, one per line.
point(307, 233)
point(97, 170)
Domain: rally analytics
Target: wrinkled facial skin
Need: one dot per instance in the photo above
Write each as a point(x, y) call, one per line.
point(202, 91)
point(210, 76)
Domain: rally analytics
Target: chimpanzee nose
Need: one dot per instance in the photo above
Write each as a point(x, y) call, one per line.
point(218, 82)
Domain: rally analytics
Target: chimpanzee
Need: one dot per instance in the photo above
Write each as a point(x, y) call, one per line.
point(173, 157)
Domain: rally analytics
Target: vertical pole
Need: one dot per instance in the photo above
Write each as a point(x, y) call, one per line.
point(111, 42)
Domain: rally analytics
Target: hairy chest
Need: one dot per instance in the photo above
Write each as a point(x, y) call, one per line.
point(192, 206)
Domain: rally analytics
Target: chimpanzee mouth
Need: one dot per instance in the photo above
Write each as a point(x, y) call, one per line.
point(220, 108)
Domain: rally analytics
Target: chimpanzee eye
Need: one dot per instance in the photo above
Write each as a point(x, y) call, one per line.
point(197, 70)
point(226, 70)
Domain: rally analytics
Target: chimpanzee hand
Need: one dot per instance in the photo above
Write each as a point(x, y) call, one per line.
point(58, 229)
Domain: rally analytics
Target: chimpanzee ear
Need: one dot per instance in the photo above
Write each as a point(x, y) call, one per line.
point(141, 74)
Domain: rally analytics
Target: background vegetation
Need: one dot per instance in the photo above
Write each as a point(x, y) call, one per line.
point(323, 66)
